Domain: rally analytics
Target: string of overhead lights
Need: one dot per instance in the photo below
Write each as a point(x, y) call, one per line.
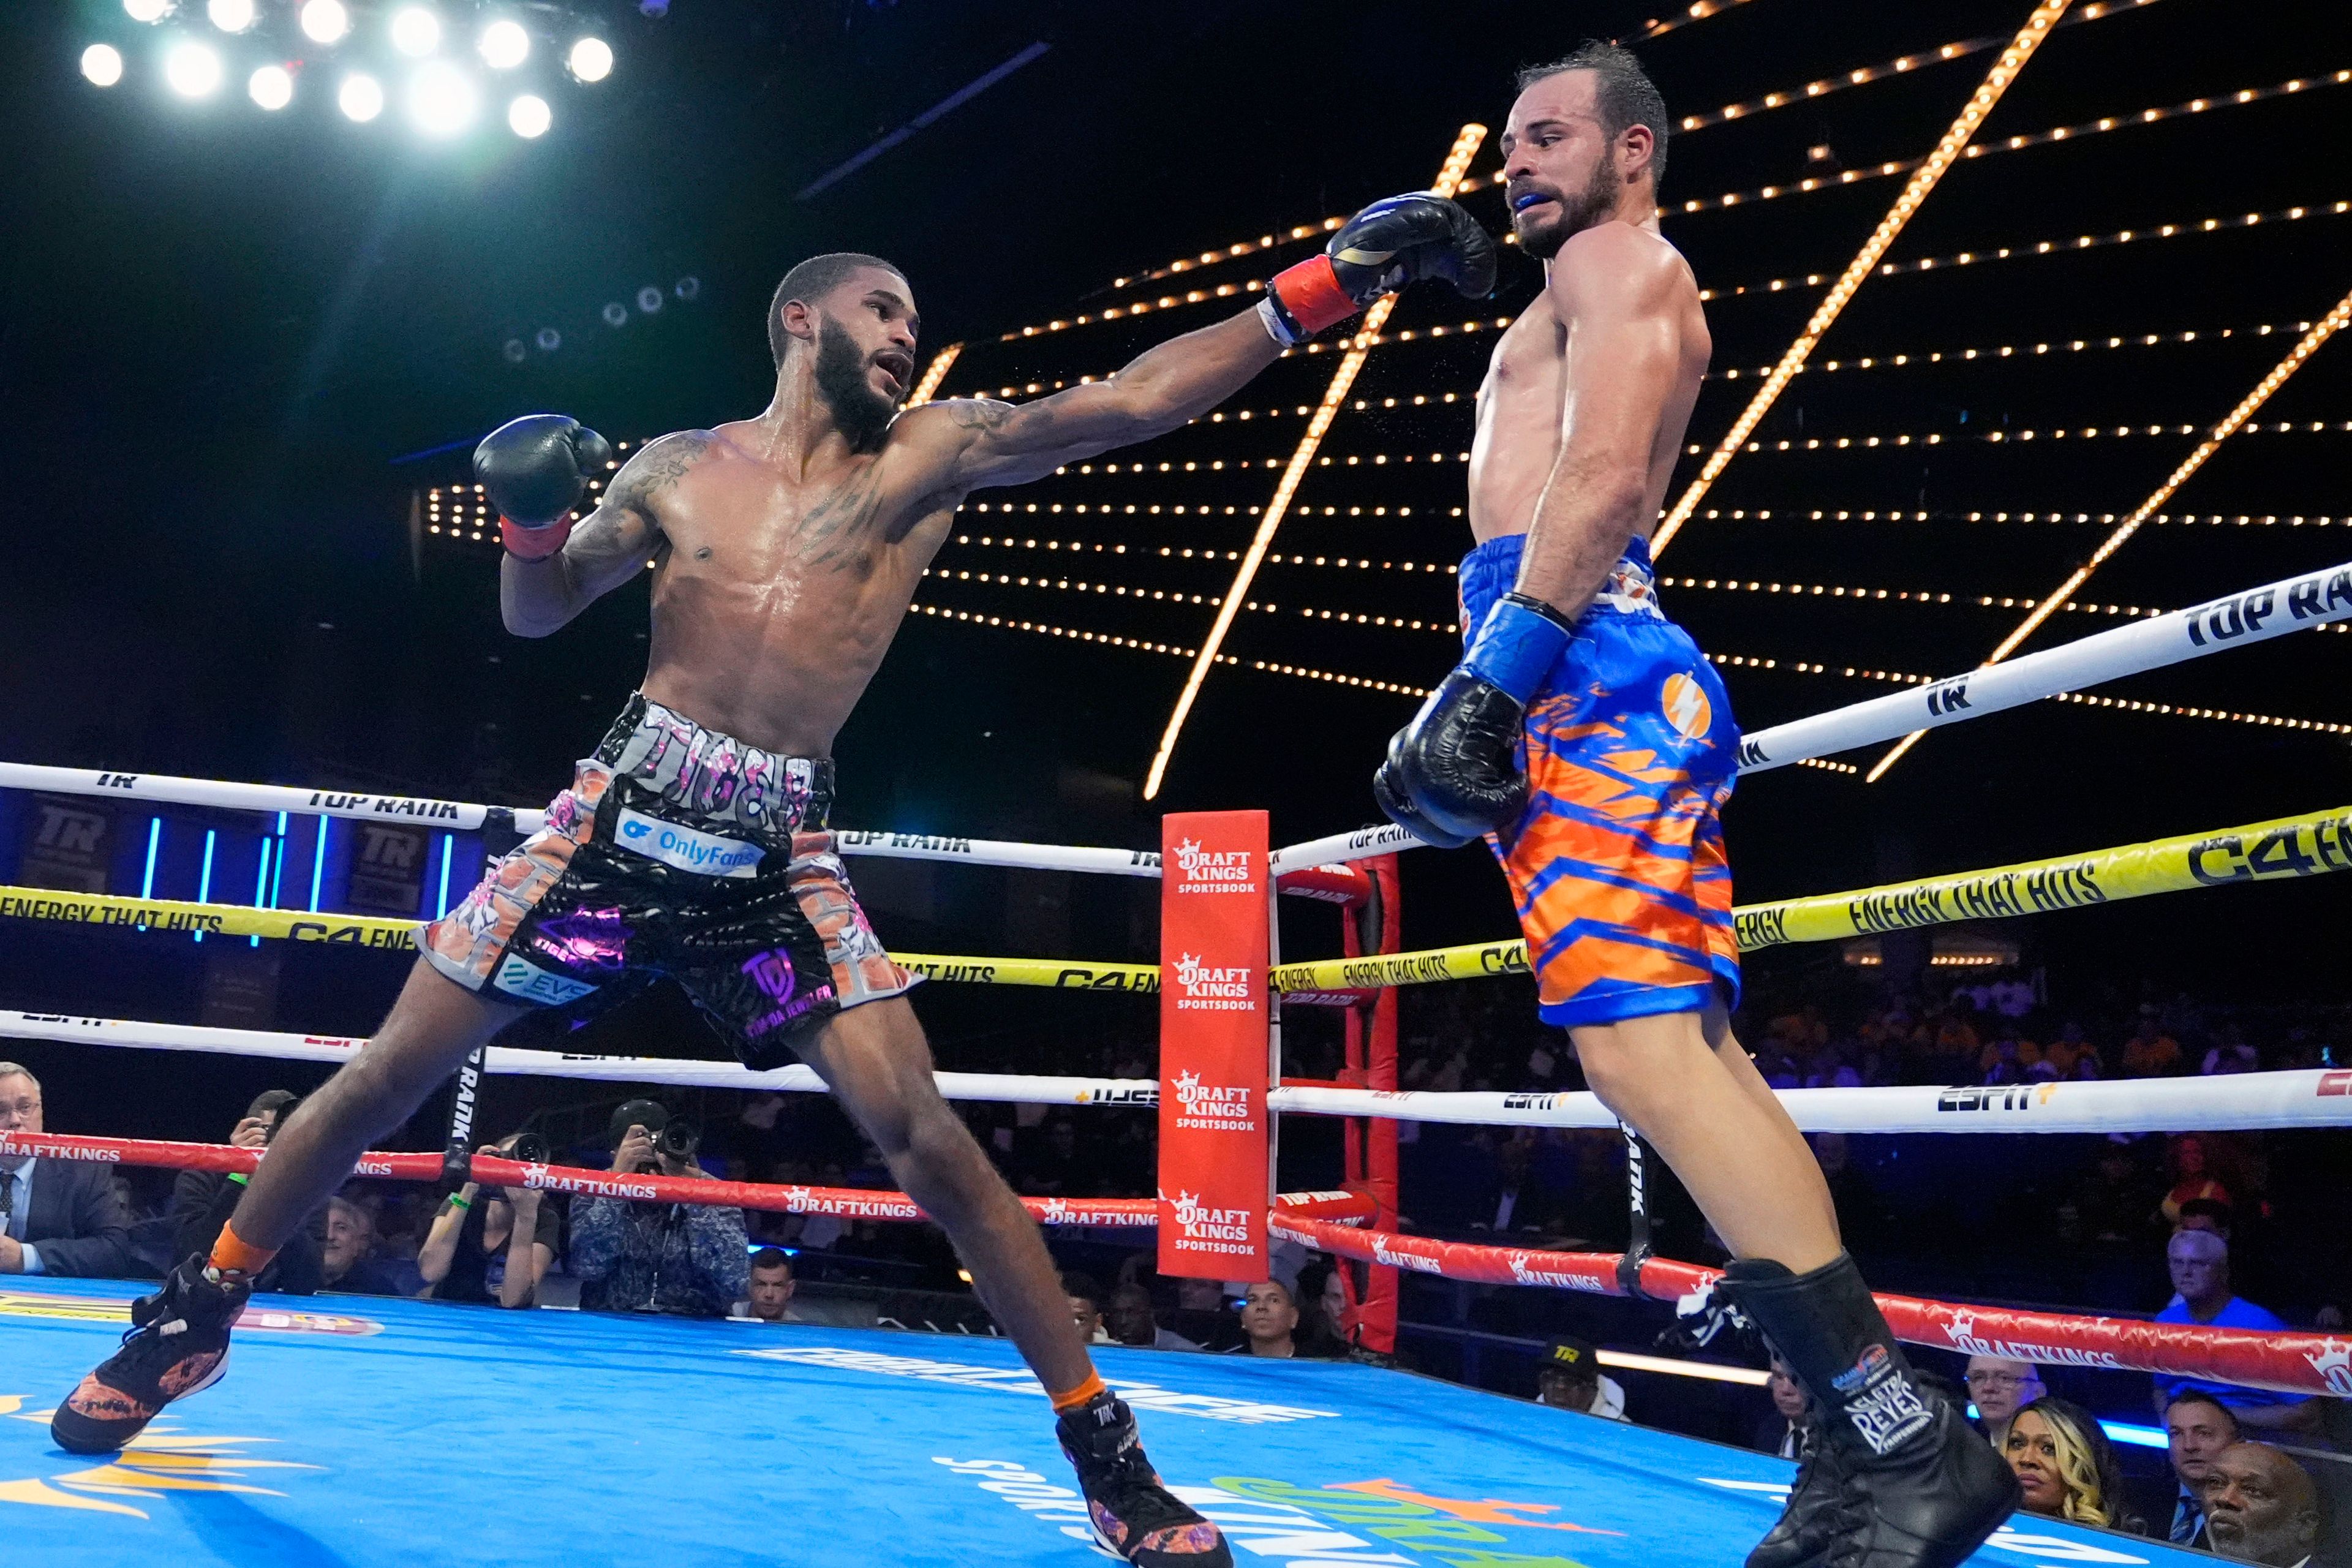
point(1832, 304)
point(1919, 597)
point(1658, 28)
point(1110, 639)
point(1809, 91)
point(2276, 377)
point(1997, 437)
point(1189, 553)
point(2009, 351)
point(1142, 509)
point(2020, 142)
point(2050, 246)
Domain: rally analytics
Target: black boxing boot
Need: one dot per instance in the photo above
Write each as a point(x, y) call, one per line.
point(1134, 1517)
point(1902, 1482)
point(177, 1346)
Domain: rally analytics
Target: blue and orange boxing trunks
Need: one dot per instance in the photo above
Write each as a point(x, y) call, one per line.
point(1617, 864)
point(678, 851)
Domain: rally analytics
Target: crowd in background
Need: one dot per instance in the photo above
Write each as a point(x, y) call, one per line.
point(2085, 1222)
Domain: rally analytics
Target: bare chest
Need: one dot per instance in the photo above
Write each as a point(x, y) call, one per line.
point(745, 523)
point(1518, 428)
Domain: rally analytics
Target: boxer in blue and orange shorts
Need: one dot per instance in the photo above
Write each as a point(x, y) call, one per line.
point(1585, 735)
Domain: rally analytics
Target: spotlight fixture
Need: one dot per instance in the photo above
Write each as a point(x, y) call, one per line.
point(649, 300)
point(230, 15)
point(548, 340)
point(689, 287)
point(325, 21)
point(193, 70)
point(504, 45)
point(361, 97)
point(271, 87)
point(102, 65)
point(416, 31)
point(529, 117)
point(147, 10)
point(590, 59)
point(441, 99)
point(615, 313)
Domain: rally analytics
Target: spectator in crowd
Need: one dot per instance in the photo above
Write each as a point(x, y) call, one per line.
point(56, 1216)
point(202, 1202)
point(2261, 1507)
point(1086, 1306)
point(2069, 1050)
point(2229, 1054)
point(689, 1260)
point(1514, 1202)
point(1269, 1316)
point(2150, 1052)
point(1783, 1433)
point(2205, 1214)
point(1322, 1334)
point(2192, 1182)
point(2197, 1427)
point(1133, 1319)
point(2065, 1466)
point(1999, 1387)
point(345, 1263)
point(2200, 1262)
point(493, 1244)
point(1570, 1378)
point(768, 1299)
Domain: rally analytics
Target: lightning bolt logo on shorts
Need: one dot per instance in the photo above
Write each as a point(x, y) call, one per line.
point(1687, 709)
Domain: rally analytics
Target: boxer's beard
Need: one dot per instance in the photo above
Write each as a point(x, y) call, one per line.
point(1577, 213)
point(862, 413)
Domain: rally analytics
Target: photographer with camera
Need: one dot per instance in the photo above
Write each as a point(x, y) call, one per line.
point(494, 1243)
point(684, 1260)
point(202, 1202)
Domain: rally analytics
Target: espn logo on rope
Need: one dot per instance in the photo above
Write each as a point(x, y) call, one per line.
point(1199, 871)
point(1207, 1107)
point(1210, 988)
point(705, 854)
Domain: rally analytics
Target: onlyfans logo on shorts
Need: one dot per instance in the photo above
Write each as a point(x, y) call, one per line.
point(1199, 871)
point(1209, 988)
point(685, 849)
point(1207, 1229)
point(1210, 1108)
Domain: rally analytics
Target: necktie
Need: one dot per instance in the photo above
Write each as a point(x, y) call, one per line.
point(7, 1203)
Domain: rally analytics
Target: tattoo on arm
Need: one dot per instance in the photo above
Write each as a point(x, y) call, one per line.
point(655, 469)
point(980, 413)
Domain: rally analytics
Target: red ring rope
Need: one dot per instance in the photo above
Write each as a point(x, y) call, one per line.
point(2287, 1362)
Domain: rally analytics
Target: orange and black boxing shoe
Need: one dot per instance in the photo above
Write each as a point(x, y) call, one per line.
point(1134, 1517)
point(178, 1345)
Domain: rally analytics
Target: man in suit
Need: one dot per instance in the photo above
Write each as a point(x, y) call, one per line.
point(56, 1216)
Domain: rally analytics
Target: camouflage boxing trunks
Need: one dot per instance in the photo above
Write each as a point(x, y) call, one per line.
point(678, 851)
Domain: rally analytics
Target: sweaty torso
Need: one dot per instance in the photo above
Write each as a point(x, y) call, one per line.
point(1520, 412)
point(776, 594)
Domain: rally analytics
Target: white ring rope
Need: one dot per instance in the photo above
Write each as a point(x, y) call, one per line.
point(2235, 1102)
point(2257, 615)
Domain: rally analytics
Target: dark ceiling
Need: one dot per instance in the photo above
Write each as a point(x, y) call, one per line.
point(226, 335)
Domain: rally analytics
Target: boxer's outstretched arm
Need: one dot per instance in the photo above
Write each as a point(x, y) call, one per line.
point(982, 442)
point(1615, 289)
point(607, 547)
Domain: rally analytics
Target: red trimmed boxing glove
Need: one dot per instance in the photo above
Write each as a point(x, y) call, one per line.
point(535, 470)
point(1393, 242)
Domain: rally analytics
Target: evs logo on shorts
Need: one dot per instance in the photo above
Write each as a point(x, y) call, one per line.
point(686, 847)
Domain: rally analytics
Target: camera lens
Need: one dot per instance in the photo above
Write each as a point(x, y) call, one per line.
point(529, 1148)
point(680, 1139)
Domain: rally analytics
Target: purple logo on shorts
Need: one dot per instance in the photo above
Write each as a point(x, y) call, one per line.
point(587, 938)
point(772, 973)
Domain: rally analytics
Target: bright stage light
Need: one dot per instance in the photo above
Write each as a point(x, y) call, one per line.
point(147, 10)
point(504, 45)
point(271, 87)
point(193, 70)
point(416, 31)
point(441, 100)
point(529, 117)
point(325, 21)
point(102, 64)
point(361, 97)
point(590, 59)
point(230, 15)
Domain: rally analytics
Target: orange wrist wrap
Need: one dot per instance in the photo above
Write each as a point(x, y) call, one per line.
point(534, 544)
point(231, 1255)
point(1310, 291)
point(1085, 1392)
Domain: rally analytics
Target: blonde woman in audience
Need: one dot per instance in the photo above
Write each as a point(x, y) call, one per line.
point(2067, 1466)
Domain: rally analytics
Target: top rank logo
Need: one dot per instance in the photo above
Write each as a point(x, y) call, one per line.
point(1199, 871)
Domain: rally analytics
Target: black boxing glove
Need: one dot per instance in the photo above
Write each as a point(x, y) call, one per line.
point(1458, 761)
point(535, 470)
point(1393, 242)
point(1395, 800)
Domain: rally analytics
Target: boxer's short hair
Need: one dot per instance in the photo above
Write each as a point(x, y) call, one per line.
point(1623, 92)
point(818, 275)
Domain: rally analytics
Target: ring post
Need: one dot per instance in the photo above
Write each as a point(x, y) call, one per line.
point(1217, 1176)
